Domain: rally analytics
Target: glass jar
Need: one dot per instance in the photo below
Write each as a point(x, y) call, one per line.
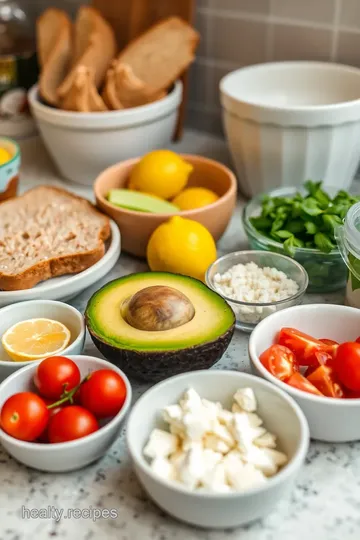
point(348, 240)
point(18, 69)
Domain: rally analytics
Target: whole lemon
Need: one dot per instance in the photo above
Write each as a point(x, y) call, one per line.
point(194, 197)
point(162, 173)
point(181, 246)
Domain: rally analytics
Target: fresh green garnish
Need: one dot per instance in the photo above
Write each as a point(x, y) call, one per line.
point(304, 221)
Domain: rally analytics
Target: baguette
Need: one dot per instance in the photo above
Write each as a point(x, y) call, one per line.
point(48, 232)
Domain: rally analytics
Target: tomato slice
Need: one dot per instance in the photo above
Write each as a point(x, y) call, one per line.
point(347, 365)
point(301, 383)
point(302, 345)
point(279, 361)
point(348, 394)
point(331, 345)
point(324, 379)
point(357, 340)
point(321, 358)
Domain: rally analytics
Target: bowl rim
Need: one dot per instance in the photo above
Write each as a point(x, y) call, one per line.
point(25, 445)
point(302, 64)
point(55, 303)
point(294, 392)
point(289, 468)
point(192, 158)
point(250, 229)
point(291, 298)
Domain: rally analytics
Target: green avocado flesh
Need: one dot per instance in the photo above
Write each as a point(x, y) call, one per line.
point(141, 202)
point(211, 319)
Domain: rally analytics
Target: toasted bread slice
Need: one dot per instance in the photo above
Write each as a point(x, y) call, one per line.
point(54, 42)
point(83, 95)
point(132, 91)
point(109, 93)
point(160, 55)
point(95, 46)
point(48, 232)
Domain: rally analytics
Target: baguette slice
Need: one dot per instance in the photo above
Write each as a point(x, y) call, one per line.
point(95, 46)
point(83, 95)
point(159, 56)
point(54, 42)
point(48, 232)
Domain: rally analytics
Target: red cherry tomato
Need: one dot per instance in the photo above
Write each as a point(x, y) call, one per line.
point(279, 361)
point(44, 437)
point(103, 393)
point(24, 416)
point(348, 394)
point(357, 340)
point(302, 345)
point(301, 383)
point(322, 359)
point(347, 365)
point(56, 374)
point(323, 378)
point(71, 423)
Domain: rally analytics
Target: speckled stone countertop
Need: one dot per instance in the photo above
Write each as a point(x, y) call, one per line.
point(325, 504)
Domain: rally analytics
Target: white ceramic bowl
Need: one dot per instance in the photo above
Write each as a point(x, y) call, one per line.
point(330, 419)
point(48, 309)
point(69, 456)
point(84, 144)
point(281, 416)
point(287, 122)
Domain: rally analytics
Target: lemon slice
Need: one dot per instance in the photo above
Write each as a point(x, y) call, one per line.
point(35, 339)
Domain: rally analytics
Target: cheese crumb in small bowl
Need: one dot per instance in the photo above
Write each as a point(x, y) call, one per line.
point(256, 284)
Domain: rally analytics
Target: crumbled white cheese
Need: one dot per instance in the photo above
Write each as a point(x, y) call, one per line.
point(255, 285)
point(211, 449)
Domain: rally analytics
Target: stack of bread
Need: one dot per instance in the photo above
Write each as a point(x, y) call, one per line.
point(81, 69)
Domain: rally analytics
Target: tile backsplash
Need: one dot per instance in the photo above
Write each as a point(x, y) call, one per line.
point(237, 33)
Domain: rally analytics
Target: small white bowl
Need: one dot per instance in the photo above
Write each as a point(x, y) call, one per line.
point(289, 121)
point(68, 456)
point(330, 419)
point(48, 309)
point(281, 416)
point(84, 144)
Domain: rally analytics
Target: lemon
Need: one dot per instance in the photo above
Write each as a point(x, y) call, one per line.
point(181, 246)
point(35, 339)
point(194, 197)
point(162, 173)
point(5, 156)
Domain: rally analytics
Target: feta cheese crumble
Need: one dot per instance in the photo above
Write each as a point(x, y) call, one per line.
point(212, 449)
point(252, 284)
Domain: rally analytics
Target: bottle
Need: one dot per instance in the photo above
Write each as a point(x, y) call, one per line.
point(348, 241)
point(18, 69)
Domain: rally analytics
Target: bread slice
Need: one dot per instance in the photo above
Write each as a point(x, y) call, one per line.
point(54, 43)
point(160, 55)
point(95, 46)
point(83, 95)
point(48, 232)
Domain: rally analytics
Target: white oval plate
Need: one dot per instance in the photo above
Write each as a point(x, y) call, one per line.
point(66, 287)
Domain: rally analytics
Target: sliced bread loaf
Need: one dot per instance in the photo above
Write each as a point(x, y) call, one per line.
point(48, 232)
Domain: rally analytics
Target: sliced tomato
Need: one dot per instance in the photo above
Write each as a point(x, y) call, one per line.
point(348, 394)
point(301, 383)
point(302, 345)
point(347, 365)
point(321, 358)
point(324, 379)
point(331, 345)
point(279, 361)
point(357, 340)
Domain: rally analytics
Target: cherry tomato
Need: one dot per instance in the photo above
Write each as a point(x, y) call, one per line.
point(44, 437)
point(301, 383)
point(56, 374)
point(347, 365)
point(71, 423)
point(322, 359)
point(24, 416)
point(324, 379)
point(302, 345)
point(357, 340)
point(279, 361)
point(348, 394)
point(103, 393)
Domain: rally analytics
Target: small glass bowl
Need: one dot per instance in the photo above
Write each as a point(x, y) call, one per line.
point(249, 314)
point(327, 271)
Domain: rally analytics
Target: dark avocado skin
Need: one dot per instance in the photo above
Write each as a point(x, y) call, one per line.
point(158, 365)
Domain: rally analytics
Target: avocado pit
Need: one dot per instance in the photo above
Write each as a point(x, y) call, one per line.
point(158, 308)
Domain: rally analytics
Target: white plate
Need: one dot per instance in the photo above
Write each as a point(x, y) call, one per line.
point(66, 287)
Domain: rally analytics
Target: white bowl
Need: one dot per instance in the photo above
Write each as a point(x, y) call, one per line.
point(330, 419)
point(68, 456)
point(287, 122)
point(281, 416)
point(84, 144)
point(48, 309)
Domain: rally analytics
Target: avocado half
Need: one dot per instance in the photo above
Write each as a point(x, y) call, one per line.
point(154, 325)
